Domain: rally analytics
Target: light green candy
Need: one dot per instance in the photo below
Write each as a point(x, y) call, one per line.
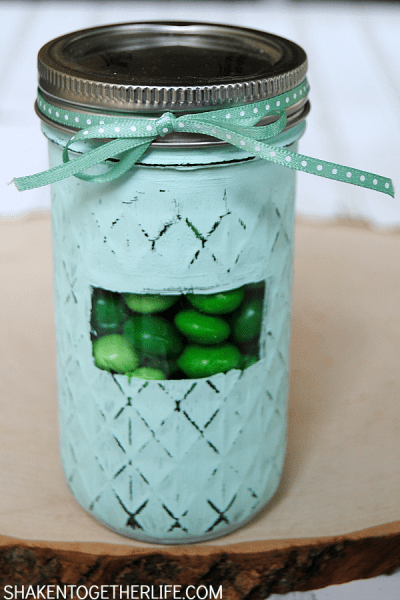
point(149, 303)
point(147, 373)
point(113, 353)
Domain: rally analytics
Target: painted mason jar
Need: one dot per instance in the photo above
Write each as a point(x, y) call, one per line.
point(173, 270)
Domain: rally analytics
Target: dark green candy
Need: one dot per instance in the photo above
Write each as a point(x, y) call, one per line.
point(108, 311)
point(204, 361)
point(152, 335)
point(217, 304)
point(161, 363)
point(200, 328)
point(246, 323)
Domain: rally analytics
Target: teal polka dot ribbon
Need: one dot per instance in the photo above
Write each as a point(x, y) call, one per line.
point(129, 138)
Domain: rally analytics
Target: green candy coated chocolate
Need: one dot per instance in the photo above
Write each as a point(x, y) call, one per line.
point(149, 303)
point(204, 361)
point(152, 335)
point(147, 373)
point(108, 311)
point(167, 366)
point(203, 329)
point(246, 323)
point(218, 304)
point(113, 353)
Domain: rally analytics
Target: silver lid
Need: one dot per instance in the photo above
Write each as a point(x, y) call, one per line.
point(174, 66)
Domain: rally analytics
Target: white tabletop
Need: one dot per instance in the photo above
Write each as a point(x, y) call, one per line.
point(354, 72)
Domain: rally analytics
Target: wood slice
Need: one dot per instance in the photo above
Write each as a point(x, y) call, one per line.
point(336, 515)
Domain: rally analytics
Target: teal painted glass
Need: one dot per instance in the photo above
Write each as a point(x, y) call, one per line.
point(153, 445)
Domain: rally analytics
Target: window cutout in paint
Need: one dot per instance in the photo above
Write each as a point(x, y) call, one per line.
point(184, 336)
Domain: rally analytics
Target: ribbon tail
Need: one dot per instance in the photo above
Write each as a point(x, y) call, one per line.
point(325, 169)
point(83, 162)
point(125, 162)
point(307, 164)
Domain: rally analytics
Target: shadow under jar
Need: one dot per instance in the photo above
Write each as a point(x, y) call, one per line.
point(172, 282)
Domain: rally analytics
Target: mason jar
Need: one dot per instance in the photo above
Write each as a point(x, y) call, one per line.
point(173, 280)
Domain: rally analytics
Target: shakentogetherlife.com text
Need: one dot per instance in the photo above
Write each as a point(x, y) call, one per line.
point(112, 592)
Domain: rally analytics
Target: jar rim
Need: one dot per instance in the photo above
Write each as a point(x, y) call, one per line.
point(177, 66)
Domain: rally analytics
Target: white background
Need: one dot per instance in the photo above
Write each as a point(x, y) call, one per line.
point(354, 72)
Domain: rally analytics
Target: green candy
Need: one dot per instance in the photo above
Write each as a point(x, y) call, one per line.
point(218, 304)
point(203, 329)
point(204, 361)
point(147, 373)
point(149, 303)
point(167, 366)
point(108, 311)
point(246, 323)
point(113, 353)
point(152, 335)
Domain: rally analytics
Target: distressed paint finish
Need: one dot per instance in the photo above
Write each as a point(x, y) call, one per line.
point(186, 460)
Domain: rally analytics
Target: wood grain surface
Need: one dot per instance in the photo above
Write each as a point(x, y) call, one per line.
point(336, 515)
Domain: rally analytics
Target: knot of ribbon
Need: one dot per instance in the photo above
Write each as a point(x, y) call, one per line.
point(127, 139)
point(166, 124)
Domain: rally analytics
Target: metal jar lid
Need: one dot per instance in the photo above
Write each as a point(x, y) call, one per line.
point(153, 67)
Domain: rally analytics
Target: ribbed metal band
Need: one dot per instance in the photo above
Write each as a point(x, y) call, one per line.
point(65, 79)
point(85, 92)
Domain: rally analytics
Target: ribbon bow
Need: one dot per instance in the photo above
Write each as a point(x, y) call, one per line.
point(129, 138)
